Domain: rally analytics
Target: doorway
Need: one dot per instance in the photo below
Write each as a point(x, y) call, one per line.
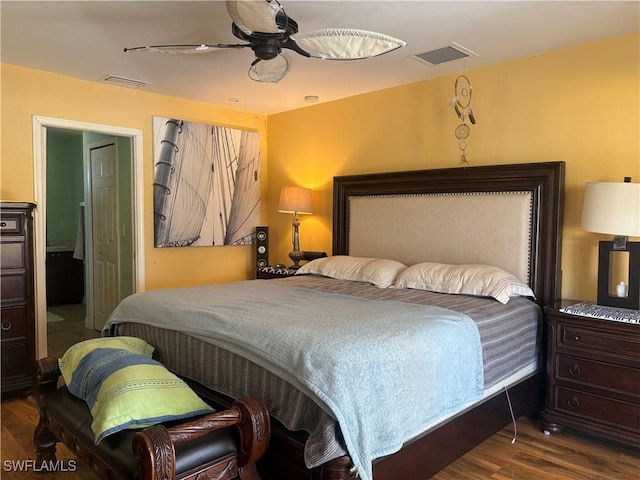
point(125, 218)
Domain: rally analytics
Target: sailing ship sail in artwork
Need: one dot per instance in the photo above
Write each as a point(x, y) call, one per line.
point(206, 185)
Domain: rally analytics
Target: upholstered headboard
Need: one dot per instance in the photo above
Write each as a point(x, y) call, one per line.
point(509, 216)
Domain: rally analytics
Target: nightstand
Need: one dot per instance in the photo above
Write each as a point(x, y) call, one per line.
point(275, 271)
point(593, 376)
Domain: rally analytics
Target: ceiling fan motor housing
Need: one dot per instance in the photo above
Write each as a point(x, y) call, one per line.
point(266, 46)
point(265, 49)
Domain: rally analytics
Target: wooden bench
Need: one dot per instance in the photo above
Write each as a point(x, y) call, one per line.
point(222, 446)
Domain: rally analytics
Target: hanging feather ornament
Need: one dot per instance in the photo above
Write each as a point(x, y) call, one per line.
point(461, 104)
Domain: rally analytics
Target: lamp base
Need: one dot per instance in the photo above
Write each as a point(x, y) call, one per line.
point(605, 297)
point(296, 256)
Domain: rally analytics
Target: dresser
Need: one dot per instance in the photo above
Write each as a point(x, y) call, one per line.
point(593, 376)
point(17, 297)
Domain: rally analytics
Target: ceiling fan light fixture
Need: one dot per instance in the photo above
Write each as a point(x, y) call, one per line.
point(269, 71)
point(346, 44)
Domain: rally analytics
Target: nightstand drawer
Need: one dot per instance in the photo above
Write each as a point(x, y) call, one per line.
point(607, 410)
point(573, 336)
point(616, 378)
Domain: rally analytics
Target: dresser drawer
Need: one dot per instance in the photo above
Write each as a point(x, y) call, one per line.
point(574, 336)
point(12, 255)
point(13, 323)
point(13, 289)
point(604, 375)
point(10, 224)
point(14, 361)
point(606, 410)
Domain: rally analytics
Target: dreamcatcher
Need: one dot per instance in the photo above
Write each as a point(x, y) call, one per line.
point(461, 103)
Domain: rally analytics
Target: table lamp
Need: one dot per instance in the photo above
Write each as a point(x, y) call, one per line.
point(296, 200)
point(614, 208)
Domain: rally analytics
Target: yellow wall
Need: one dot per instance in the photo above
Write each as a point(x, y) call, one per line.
point(27, 92)
point(580, 105)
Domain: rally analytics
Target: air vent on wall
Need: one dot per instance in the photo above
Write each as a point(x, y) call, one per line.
point(124, 82)
point(445, 54)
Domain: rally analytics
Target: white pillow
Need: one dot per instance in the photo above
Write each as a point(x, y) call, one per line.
point(483, 280)
point(378, 271)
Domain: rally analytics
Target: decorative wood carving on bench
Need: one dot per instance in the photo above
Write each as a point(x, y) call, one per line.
point(205, 448)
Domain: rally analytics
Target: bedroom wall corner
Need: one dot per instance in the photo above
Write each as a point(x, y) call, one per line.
point(579, 104)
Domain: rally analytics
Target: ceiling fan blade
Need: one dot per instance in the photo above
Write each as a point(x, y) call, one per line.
point(271, 71)
point(257, 16)
point(346, 44)
point(189, 49)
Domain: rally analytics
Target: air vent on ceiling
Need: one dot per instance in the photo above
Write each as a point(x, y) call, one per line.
point(124, 82)
point(445, 54)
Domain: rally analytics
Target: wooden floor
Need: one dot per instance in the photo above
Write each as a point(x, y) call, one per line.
point(534, 456)
point(61, 335)
point(566, 456)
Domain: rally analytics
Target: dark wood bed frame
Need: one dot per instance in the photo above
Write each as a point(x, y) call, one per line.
point(428, 454)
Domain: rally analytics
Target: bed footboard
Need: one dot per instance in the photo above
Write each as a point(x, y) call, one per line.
point(420, 459)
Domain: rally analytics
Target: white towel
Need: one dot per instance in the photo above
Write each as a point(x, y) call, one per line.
point(79, 250)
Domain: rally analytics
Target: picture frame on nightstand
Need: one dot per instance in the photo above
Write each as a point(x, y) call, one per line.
point(606, 296)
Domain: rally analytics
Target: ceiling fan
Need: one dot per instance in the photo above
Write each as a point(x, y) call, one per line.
point(269, 30)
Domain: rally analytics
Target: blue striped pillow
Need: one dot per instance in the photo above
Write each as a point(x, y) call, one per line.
point(126, 390)
point(72, 357)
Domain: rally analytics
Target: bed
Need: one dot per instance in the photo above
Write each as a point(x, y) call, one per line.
point(506, 216)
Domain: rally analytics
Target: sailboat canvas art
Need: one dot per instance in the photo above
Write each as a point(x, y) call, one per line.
point(206, 186)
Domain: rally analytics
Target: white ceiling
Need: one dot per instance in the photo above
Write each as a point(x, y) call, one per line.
point(86, 40)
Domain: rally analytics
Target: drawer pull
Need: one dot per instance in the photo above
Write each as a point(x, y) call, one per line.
point(6, 325)
point(575, 370)
point(9, 225)
point(576, 338)
point(573, 402)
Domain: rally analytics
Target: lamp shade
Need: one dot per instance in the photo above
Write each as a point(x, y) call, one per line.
point(612, 208)
point(295, 200)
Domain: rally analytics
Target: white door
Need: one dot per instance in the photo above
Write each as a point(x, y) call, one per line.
point(104, 228)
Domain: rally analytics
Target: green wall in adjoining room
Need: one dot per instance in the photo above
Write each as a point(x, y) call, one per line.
point(65, 188)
